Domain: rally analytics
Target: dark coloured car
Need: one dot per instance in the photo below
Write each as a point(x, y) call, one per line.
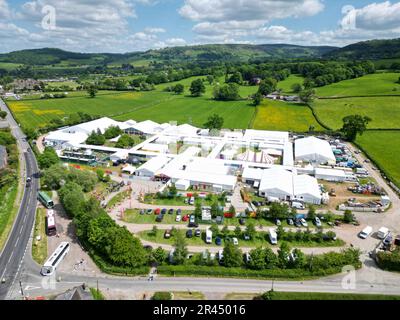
point(290, 222)
point(189, 233)
point(242, 221)
point(163, 211)
point(160, 218)
point(179, 212)
point(141, 212)
point(197, 233)
point(218, 241)
point(149, 211)
point(297, 223)
point(171, 211)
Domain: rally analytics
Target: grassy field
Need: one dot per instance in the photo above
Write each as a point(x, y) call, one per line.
point(8, 210)
point(39, 247)
point(156, 105)
point(384, 148)
point(9, 66)
point(330, 296)
point(373, 84)
point(277, 115)
point(286, 85)
point(384, 111)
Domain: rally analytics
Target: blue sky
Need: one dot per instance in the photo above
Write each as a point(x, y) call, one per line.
point(137, 25)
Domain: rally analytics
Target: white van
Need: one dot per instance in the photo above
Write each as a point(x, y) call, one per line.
point(298, 205)
point(383, 232)
point(208, 236)
point(365, 232)
point(221, 256)
point(273, 237)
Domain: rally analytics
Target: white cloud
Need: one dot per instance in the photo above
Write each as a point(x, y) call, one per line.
point(175, 42)
point(5, 12)
point(377, 16)
point(155, 30)
point(246, 10)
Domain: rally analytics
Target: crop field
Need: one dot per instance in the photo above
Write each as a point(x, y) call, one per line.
point(9, 66)
point(384, 111)
point(286, 85)
point(277, 115)
point(384, 148)
point(373, 84)
point(71, 84)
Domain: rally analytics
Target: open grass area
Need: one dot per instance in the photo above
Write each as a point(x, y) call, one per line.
point(384, 148)
point(286, 85)
point(329, 296)
point(8, 210)
point(384, 111)
point(9, 66)
point(71, 84)
point(373, 84)
point(39, 247)
point(188, 295)
point(155, 105)
point(278, 115)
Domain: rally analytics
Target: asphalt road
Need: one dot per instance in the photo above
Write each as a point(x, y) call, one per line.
point(13, 253)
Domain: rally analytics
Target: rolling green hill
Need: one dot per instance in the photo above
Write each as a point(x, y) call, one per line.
point(216, 52)
point(367, 50)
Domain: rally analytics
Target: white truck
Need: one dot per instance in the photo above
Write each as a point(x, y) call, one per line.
point(208, 236)
point(298, 205)
point(383, 232)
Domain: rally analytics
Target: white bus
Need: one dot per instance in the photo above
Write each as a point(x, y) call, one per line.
point(58, 255)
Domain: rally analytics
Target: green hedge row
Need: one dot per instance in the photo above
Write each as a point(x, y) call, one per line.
point(218, 271)
point(389, 261)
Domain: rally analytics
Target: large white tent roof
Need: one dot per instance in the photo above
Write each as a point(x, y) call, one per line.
point(277, 179)
point(314, 149)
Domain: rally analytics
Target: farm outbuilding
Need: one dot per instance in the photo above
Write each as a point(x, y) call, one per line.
point(314, 150)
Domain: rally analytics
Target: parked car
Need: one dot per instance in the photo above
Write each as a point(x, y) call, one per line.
point(178, 218)
point(191, 201)
point(192, 222)
point(189, 233)
point(167, 234)
point(149, 211)
point(246, 237)
point(157, 211)
point(242, 221)
point(179, 212)
point(365, 232)
point(197, 233)
point(388, 240)
point(304, 222)
point(163, 211)
point(159, 218)
point(255, 203)
point(278, 222)
point(218, 241)
point(317, 222)
point(171, 211)
point(290, 222)
point(247, 258)
point(219, 220)
point(141, 212)
point(185, 218)
point(235, 241)
point(297, 223)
